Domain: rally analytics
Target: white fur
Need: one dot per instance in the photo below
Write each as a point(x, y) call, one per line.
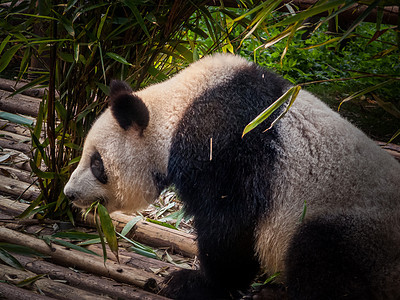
point(128, 156)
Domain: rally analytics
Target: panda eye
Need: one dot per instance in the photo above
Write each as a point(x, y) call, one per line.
point(97, 167)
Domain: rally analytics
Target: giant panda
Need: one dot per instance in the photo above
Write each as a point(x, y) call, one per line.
point(312, 200)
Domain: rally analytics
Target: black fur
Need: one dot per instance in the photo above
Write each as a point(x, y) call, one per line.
point(127, 109)
point(228, 194)
point(160, 181)
point(329, 259)
point(97, 167)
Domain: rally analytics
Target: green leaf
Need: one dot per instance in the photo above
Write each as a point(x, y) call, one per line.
point(76, 235)
point(8, 55)
point(90, 242)
point(394, 136)
point(30, 280)
point(10, 260)
point(108, 229)
point(303, 214)
point(161, 223)
point(138, 15)
point(4, 43)
point(359, 19)
point(157, 74)
point(15, 118)
point(118, 58)
point(364, 91)
point(72, 246)
point(144, 252)
point(31, 84)
point(102, 21)
point(40, 173)
point(31, 207)
point(140, 248)
point(317, 9)
point(290, 94)
point(130, 225)
point(18, 249)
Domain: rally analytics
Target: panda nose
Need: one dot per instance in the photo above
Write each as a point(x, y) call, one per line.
point(71, 195)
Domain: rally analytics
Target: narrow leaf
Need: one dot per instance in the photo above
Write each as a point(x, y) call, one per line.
point(4, 43)
point(75, 235)
point(138, 16)
point(30, 280)
point(15, 118)
point(10, 260)
point(130, 225)
point(269, 111)
point(108, 229)
point(72, 246)
point(364, 91)
point(8, 55)
point(118, 58)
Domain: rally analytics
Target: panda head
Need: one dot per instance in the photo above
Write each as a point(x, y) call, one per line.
point(114, 168)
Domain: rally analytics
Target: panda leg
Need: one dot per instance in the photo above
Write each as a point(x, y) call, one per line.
point(227, 265)
point(331, 258)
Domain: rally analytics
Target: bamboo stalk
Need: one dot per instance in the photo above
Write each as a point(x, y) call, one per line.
point(83, 261)
point(53, 289)
point(11, 292)
point(89, 282)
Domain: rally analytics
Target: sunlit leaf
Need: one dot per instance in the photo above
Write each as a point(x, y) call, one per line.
point(365, 91)
point(290, 94)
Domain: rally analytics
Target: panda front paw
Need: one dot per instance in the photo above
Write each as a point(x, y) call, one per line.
point(191, 284)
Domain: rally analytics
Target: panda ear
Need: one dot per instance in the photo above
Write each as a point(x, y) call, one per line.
point(127, 109)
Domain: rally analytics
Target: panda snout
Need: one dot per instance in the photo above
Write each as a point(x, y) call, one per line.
point(71, 195)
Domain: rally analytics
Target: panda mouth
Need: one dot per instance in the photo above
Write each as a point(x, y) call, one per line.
point(86, 204)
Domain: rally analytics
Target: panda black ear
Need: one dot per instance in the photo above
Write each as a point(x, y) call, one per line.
point(127, 109)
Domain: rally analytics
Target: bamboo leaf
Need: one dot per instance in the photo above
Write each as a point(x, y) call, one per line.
point(364, 91)
point(359, 19)
point(15, 118)
point(130, 225)
point(30, 280)
point(140, 248)
point(38, 81)
point(102, 21)
point(31, 207)
point(118, 58)
point(4, 43)
point(137, 15)
point(8, 55)
point(18, 249)
point(90, 242)
point(10, 260)
point(72, 246)
point(108, 229)
point(40, 173)
point(161, 223)
point(75, 235)
point(271, 109)
point(317, 9)
point(394, 136)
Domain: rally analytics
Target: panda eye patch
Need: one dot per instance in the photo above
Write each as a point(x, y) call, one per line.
point(97, 167)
